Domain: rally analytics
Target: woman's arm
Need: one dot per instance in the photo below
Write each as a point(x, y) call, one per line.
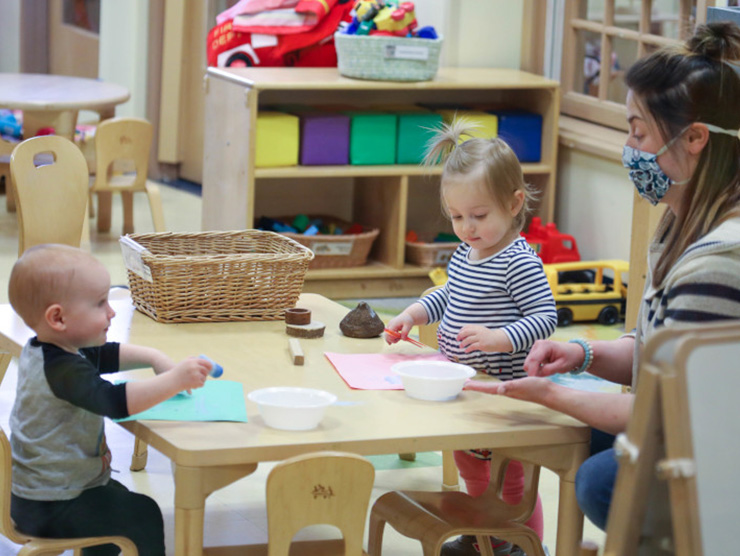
point(604, 411)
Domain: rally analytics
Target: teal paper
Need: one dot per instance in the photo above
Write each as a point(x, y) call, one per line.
point(218, 400)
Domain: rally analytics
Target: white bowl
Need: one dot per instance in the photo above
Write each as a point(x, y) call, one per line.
point(433, 380)
point(292, 409)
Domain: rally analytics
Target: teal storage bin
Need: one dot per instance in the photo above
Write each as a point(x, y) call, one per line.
point(414, 131)
point(372, 138)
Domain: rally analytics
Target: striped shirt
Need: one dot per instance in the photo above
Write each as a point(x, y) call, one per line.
point(703, 286)
point(507, 290)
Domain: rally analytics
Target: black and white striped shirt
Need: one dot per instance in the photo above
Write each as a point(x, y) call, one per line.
point(509, 291)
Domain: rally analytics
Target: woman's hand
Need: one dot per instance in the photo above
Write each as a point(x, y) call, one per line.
point(548, 358)
point(530, 389)
point(475, 337)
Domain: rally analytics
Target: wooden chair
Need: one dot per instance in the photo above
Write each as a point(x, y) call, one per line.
point(124, 143)
point(6, 147)
point(434, 517)
point(51, 198)
point(32, 546)
point(331, 488)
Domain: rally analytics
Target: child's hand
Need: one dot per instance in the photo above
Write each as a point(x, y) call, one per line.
point(476, 337)
point(402, 324)
point(190, 373)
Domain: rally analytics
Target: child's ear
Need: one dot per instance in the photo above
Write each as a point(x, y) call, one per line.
point(54, 317)
point(517, 202)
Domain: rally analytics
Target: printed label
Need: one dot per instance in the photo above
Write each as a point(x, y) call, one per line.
point(443, 256)
point(132, 252)
point(402, 52)
point(332, 247)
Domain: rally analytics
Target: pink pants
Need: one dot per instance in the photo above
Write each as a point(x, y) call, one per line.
point(477, 473)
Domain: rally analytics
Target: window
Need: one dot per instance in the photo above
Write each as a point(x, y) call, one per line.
point(603, 38)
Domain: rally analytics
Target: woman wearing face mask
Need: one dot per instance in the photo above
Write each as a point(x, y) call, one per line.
point(683, 150)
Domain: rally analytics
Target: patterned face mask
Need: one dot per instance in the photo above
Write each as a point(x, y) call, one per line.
point(650, 180)
point(645, 172)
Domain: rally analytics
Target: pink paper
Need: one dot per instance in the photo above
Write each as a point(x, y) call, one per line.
point(372, 371)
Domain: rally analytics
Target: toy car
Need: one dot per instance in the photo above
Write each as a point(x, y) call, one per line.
point(588, 290)
point(550, 244)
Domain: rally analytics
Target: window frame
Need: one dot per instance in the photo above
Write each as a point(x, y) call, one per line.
point(565, 18)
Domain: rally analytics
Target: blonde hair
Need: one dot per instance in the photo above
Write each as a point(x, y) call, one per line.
point(42, 276)
point(696, 82)
point(462, 154)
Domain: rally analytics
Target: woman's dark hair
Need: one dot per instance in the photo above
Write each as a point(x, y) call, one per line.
point(678, 86)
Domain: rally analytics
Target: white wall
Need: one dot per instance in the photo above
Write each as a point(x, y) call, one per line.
point(10, 52)
point(594, 204)
point(124, 32)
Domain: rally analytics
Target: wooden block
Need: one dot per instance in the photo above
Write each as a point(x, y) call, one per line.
point(312, 330)
point(295, 351)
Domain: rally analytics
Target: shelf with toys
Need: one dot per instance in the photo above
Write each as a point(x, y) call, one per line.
point(393, 198)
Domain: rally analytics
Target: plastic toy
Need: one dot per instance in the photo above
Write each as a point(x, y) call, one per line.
point(588, 290)
point(398, 21)
point(550, 244)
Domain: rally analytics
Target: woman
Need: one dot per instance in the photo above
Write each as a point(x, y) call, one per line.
point(683, 150)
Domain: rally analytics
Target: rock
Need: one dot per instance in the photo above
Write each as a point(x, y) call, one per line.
point(362, 322)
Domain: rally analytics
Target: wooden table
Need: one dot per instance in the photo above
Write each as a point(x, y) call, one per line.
point(55, 100)
point(209, 456)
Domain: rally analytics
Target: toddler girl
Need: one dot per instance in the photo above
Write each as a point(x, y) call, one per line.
point(497, 301)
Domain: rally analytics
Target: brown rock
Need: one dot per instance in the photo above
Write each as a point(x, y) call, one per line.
point(362, 322)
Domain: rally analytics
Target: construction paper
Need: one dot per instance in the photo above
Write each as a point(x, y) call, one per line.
point(218, 400)
point(372, 371)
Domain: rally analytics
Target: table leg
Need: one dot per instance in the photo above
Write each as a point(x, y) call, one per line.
point(192, 486)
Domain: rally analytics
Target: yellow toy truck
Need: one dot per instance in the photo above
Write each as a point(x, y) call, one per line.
point(589, 290)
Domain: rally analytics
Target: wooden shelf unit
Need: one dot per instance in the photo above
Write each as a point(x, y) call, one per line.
point(393, 198)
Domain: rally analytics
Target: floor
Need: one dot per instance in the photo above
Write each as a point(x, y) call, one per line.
point(236, 514)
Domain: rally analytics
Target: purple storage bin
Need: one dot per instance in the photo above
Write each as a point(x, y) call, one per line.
point(324, 139)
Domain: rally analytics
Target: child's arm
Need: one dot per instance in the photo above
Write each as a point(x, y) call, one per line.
point(411, 316)
point(135, 357)
point(186, 375)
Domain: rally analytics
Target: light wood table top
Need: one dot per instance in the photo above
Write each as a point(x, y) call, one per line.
point(54, 100)
point(209, 456)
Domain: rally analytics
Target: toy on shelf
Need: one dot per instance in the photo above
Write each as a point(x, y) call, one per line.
point(588, 290)
point(387, 18)
point(550, 244)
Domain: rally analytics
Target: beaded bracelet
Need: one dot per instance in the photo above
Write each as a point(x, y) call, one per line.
point(588, 358)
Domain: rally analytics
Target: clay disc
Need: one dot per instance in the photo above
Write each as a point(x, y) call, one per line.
point(312, 330)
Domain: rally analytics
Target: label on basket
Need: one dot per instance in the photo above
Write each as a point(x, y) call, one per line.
point(332, 247)
point(405, 52)
point(443, 256)
point(132, 258)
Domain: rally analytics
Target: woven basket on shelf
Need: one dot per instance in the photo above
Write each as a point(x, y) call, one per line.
point(336, 251)
point(387, 58)
point(214, 276)
point(430, 254)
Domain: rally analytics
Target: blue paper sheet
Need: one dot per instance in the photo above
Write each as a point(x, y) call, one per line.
point(218, 400)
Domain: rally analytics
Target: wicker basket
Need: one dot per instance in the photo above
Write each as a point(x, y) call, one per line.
point(336, 251)
point(214, 276)
point(387, 58)
point(430, 254)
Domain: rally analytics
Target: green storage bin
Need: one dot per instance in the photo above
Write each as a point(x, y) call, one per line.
point(414, 131)
point(372, 138)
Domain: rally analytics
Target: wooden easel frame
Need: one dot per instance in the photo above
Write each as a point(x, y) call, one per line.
point(661, 424)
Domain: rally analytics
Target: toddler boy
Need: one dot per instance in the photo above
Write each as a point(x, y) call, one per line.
point(62, 484)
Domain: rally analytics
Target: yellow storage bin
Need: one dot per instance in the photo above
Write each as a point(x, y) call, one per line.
point(487, 123)
point(278, 138)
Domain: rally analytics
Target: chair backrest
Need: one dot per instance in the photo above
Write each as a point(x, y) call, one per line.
point(428, 332)
point(124, 142)
point(331, 488)
point(7, 529)
point(51, 197)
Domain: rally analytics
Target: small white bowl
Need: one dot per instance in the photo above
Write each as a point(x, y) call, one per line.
point(292, 408)
point(433, 380)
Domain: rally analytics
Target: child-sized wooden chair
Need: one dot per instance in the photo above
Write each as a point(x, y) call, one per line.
point(51, 197)
point(434, 517)
point(322, 488)
point(124, 143)
point(35, 546)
